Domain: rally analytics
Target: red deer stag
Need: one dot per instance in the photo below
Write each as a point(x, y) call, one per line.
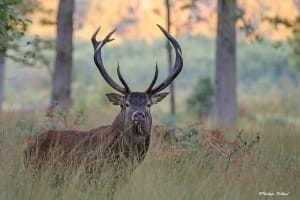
point(128, 135)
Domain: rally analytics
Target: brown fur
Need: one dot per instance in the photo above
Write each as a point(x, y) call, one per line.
point(75, 147)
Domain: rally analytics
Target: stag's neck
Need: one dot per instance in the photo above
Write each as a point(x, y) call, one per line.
point(125, 139)
point(118, 123)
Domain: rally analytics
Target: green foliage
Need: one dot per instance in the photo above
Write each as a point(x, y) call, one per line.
point(261, 67)
point(37, 52)
point(294, 41)
point(200, 101)
point(13, 25)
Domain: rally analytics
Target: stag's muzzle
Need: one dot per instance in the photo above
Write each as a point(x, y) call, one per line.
point(138, 117)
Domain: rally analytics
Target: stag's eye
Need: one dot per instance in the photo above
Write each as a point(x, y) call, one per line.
point(148, 105)
point(127, 104)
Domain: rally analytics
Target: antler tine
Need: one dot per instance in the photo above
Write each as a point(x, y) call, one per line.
point(177, 67)
point(98, 61)
point(94, 41)
point(104, 41)
point(148, 91)
point(122, 79)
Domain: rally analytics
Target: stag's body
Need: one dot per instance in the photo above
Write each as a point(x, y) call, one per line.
point(129, 134)
point(111, 141)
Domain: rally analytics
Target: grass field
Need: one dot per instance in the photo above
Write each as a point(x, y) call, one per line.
point(179, 165)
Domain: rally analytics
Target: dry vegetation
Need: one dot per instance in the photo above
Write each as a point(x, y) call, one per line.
point(190, 162)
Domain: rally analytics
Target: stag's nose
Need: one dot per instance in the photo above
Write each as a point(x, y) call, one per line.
point(138, 116)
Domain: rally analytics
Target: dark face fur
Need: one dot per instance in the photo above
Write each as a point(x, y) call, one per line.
point(136, 110)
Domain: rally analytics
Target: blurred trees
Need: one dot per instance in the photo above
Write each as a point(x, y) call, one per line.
point(135, 18)
point(2, 67)
point(225, 107)
point(292, 24)
point(201, 100)
point(13, 25)
point(61, 82)
point(294, 51)
point(294, 44)
point(169, 54)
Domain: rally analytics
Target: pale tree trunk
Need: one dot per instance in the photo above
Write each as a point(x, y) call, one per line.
point(2, 71)
point(61, 83)
point(225, 108)
point(169, 52)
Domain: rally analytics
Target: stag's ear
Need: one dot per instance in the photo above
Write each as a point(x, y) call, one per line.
point(115, 98)
point(158, 97)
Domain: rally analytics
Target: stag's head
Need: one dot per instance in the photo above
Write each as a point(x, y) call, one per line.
point(135, 106)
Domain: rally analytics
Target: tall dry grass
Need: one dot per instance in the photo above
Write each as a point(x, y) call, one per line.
point(181, 164)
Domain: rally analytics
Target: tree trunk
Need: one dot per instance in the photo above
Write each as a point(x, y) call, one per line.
point(2, 71)
point(61, 83)
point(169, 52)
point(225, 107)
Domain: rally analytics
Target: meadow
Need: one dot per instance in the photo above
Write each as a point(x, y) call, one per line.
point(181, 164)
point(185, 161)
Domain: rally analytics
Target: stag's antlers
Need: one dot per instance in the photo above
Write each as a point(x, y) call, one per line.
point(98, 61)
point(176, 69)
